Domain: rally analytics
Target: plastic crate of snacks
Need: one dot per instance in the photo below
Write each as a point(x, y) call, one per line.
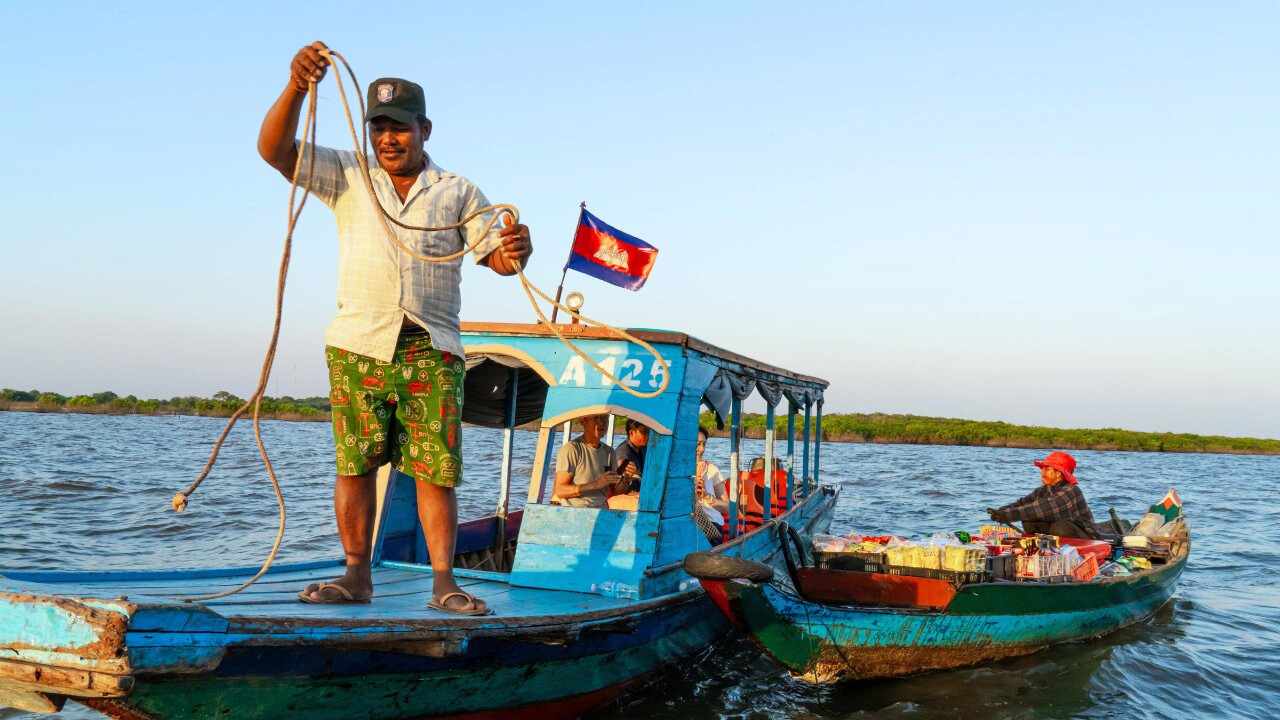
point(964, 558)
point(1001, 567)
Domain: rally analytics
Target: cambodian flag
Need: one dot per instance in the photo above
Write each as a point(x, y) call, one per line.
point(605, 252)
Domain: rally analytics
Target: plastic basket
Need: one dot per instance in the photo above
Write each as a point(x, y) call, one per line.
point(1001, 567)
point(1087, 570)
point(856, 561)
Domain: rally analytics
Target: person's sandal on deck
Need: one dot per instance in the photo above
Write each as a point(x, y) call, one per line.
point(473, 607)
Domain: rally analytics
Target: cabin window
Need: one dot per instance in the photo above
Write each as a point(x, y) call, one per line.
point(598, 461)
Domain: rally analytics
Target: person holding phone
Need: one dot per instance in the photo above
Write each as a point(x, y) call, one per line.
point(631, 453)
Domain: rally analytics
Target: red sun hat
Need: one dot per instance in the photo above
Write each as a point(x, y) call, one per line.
point(1061, 462)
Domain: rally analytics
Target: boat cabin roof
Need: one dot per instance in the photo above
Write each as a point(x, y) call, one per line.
point(650, 335)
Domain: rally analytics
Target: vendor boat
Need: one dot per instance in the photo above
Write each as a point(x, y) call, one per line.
point(588, 602)
point(827, 624)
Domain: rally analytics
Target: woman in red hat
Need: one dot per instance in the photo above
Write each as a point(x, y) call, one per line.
point(1057, 507)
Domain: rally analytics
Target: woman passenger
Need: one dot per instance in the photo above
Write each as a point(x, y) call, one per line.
point(708, 482)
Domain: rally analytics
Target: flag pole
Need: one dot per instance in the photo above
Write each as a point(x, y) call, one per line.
point(555, 309)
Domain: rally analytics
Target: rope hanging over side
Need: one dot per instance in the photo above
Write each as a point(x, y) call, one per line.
point(509, 213)
point(295, 211)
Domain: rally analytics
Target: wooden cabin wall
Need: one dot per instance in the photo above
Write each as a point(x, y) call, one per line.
point(674, 459)
point(597, 550)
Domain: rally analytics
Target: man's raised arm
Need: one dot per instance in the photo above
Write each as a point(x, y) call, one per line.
point(276, 139)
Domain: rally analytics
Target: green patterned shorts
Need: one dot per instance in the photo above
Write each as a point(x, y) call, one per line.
point(406, 412)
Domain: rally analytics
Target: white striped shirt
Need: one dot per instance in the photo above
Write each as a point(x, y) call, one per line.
point(378, 284)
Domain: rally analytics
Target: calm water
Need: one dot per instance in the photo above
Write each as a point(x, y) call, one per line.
point(93, 492)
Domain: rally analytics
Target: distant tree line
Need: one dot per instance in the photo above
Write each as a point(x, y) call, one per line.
point(222, 404)
point(920, 430)
point(836, 427)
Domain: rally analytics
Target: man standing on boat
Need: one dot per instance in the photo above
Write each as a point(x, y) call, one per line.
point(394, 349)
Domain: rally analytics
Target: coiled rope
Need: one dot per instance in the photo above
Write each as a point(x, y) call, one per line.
point(509, 213)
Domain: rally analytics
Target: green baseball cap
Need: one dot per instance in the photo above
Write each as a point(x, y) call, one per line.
point(397, 99)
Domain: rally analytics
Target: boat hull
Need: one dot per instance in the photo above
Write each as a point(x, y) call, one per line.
point(823, 642)
point(551, 674)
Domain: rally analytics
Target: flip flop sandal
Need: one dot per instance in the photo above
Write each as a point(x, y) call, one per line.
point(472, 608)
point(346, 596)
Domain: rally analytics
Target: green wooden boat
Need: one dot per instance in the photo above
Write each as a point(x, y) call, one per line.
point(832, 625)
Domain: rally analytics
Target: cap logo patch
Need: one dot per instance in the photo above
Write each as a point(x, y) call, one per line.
point(386, 91)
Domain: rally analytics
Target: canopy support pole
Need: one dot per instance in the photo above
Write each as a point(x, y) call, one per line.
point(804, 468)
point(735, 418)
point(817, 449)
point(791, 452)
point(767, 501)
point(504, 485)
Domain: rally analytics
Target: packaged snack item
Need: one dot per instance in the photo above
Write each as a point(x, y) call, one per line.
point(829, 543)
point(996, 531)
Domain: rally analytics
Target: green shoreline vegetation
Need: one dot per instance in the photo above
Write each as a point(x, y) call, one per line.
point(840, 427)
point(921, 430)
point(222, 404)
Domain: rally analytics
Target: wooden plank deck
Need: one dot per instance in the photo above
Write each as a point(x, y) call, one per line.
point(401, 591)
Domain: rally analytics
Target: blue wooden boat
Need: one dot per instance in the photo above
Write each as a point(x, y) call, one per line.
point(827, 625)
point(588, 602)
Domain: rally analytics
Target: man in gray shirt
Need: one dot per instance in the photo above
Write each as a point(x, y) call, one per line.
point(585, 475)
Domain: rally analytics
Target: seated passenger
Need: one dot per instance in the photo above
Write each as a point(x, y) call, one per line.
point(584, 468)
point(630, 462)
point(1057, 507)
point(630, 453)
point(708, 482)
point(710, 508)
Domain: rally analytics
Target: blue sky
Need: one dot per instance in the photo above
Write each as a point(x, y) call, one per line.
point(1061, 215)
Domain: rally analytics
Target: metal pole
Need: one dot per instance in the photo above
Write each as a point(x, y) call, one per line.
point(791, 452)
point(543, 460)
point(504, 484)
point(735, 417)
point(804, 468)
point(817, 449)
point(555, 309)
point(765, 504)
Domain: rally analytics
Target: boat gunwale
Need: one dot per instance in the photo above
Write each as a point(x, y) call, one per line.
point(1155, 574)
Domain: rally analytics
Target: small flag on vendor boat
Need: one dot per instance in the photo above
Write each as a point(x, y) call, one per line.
point(1170, 507)
point(607, 253)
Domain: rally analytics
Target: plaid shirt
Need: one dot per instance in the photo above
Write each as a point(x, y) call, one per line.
point(378, 285)
point(1060, 501)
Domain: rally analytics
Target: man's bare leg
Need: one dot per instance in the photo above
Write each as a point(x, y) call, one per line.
point(354, 499)
point(438, 513)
